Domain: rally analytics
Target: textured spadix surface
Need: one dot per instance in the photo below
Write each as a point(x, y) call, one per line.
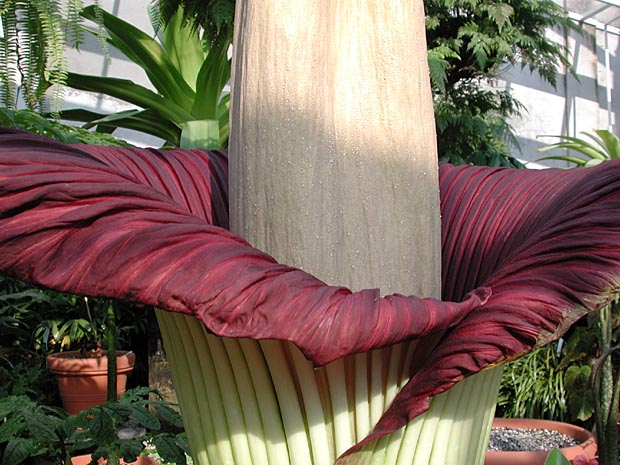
point(525, 253)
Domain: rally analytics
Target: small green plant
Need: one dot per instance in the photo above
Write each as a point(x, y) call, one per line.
point(34, 433)
point(35, 123)
point(602, 145)
point(533, 387)
point(189, 107)
point(120, 429)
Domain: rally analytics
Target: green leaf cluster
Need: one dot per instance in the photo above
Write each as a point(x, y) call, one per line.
point(31, 431)
point(533, 387)
point(118, 429)
point(42, 435)
point(602, 145)
point(35, 123)
point(189, 106)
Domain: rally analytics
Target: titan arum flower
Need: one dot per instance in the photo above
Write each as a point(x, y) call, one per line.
point(525, 254)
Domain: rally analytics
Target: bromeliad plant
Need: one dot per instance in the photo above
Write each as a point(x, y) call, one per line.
point(263, 354)
point(189, 73)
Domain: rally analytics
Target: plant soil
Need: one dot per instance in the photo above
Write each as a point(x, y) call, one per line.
point(518, 439)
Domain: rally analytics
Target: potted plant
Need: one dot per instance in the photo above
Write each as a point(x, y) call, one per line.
point(91, 375)
point(541, 393)
point(579, 441)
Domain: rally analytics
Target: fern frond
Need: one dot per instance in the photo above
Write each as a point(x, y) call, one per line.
point(32, 46)
point(214, 17)
point(75, 33)
point(9, 52)
point(55, 68)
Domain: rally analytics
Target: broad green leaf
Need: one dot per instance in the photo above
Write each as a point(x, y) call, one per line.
point(556, 457)
point(128, 91)
point(184, 47)
point(567, 158)
point(130, 449)
point(102, 425)
point(213, 75)
point(146, 121)
point(144, 417)
point(609, 142)
point(170, 415)
point(577, 144)
point(146, 52)
point(19, 449)
point(168, 449)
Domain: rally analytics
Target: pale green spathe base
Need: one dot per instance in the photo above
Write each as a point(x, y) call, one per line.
point(256, 403)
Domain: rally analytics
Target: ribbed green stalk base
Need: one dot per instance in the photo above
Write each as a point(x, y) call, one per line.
point(253, 403)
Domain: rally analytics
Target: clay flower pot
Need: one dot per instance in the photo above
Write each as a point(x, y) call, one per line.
point(86, 459)
point(83, 382)
point(586, 447)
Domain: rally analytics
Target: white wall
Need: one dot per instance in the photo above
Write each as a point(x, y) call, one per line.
point(576, 104)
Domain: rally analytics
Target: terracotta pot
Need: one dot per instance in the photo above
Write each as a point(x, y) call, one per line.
point(85, 460)
point(587, 446)
point(83, 382)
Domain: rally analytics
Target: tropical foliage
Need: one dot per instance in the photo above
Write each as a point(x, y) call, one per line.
point(471, 43)
point(189, 107)
point(149, 226)
point(35, 123)
point(592, 149)
point(533, 387)
point(119, 429)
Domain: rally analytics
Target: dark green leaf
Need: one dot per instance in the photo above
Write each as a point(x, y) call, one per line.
point(169, 450)
point(146, 52)
point(19, 449)
point(128, 91)
point(170, 415)
point(144, 417)
point(130, 449)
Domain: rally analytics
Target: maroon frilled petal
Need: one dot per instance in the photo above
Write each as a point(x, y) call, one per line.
point(136, 225)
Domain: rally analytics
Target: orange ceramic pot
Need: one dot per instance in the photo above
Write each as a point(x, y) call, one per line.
point(86, 459)
point(587, 446)
point(83, 382)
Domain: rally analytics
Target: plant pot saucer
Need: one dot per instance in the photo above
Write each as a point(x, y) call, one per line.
point(586, 447)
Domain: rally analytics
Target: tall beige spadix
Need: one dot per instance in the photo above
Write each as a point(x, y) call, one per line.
point(333, 157)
